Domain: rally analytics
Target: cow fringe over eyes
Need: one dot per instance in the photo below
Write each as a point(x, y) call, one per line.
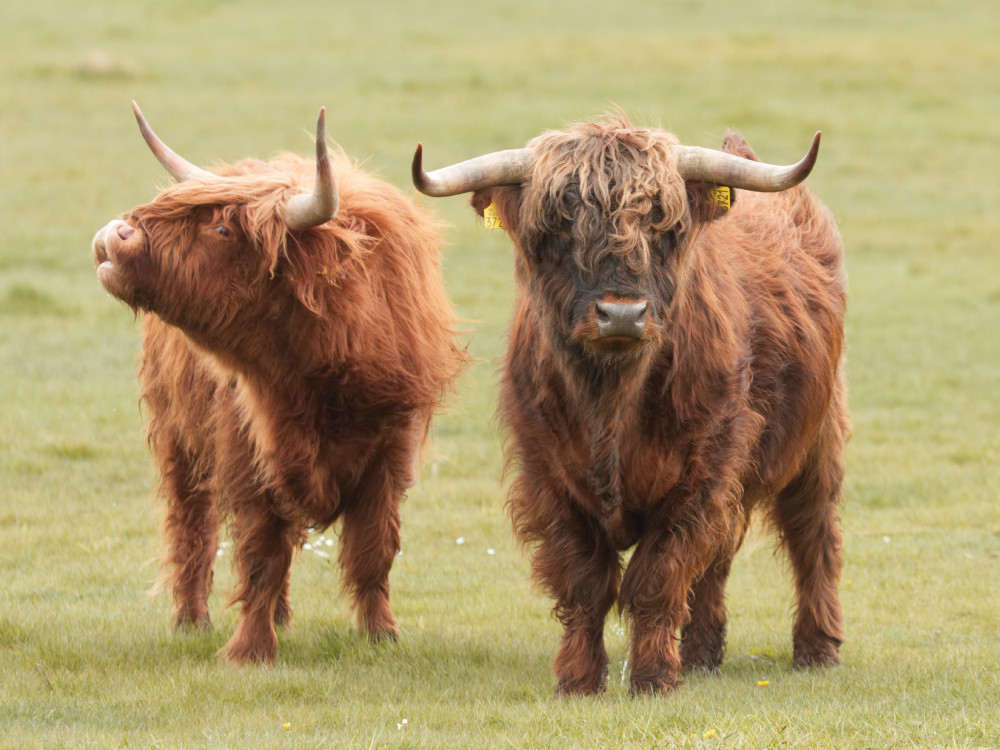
point(584, 170)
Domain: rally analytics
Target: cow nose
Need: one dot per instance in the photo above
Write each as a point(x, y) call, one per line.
point(621, 318)
point(124, 230)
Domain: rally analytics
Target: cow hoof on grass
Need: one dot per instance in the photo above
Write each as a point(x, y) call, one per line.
point(283, 616)
point(702, 658)
point(659, 685)
point(816, 659)
point(186, 622)
point(595, 685)
point(262, 651)
point(382, 635)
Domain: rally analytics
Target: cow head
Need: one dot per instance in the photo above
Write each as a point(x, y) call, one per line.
point(203, 252)
point(601, 216)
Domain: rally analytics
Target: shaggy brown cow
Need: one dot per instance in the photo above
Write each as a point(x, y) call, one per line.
point(671, 367)
point(293, 355)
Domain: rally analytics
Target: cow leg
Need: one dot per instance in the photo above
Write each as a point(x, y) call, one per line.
point(581, 571)
point(370, 540)
point(283, 609)
point(263, 547)
point(703, 639)
point(190, 534)
point(654, 595)
point(807, 519)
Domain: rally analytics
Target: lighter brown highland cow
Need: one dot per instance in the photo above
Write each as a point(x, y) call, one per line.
point(297, 340)
point(672, 367)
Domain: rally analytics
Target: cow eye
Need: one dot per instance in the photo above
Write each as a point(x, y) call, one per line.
point(223, 230)
point(668, 242)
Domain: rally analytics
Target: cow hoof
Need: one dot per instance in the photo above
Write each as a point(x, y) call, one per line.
point(653, 686)
point(569, 687)
point(573, 691)
point(701, 660)
point(187, 622)
point(702, 649)
point(382, 635)
point(821, 653)
point(242, 657)
point(701, 667)
point(283, 616)
point(239, 653)
point(813, 660)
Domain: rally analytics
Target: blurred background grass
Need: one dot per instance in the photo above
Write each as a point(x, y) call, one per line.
point(907, 95)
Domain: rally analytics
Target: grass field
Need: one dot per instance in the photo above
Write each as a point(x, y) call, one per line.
point(907, 93)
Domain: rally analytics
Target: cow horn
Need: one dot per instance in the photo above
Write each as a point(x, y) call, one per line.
point(318, 207)
point(719, 168)
point(180, 168)
point(498, 168)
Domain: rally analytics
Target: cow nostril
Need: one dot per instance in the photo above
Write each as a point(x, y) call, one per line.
point(125, 231)
point(615, 319)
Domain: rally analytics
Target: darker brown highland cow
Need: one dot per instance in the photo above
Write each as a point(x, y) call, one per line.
point(297, 340)
point(672, 367)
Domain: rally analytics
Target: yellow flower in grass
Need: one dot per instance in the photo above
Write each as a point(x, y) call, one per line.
point(709, 733)
point(286, 725)
point(763, 683)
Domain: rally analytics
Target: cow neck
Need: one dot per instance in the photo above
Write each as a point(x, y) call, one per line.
point(609, 401)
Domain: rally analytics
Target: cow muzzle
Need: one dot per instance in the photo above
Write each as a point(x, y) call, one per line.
point(621, 319)
point(107, 246)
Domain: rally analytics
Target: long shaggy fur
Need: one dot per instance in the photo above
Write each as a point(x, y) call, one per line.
point(289, 379)
point(733, 400)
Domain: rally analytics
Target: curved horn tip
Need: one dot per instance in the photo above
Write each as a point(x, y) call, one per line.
point(139, 117)
point(417, 168)
point(321, 149)
point(814, 148)
point(321, 123)
point(805, 166)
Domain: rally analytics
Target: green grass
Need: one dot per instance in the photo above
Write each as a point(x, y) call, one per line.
point(908, 96)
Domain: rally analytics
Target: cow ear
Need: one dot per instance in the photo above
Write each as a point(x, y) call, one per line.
point(303, 273)
point(481, 199)
point(709, 202)
point(505, 198)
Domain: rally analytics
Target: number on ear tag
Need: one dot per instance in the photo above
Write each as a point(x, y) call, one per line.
point(491, 218)
point(721, 197)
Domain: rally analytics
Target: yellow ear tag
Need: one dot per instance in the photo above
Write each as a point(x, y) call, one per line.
point(721, 197)
point(491, 218)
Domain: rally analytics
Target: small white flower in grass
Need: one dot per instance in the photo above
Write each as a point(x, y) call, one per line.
point(321, 553)
point(491, 551)
point(308, 547)
point(886, 539)
point(401, 724)
point(329, 542)
point(460, 540)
